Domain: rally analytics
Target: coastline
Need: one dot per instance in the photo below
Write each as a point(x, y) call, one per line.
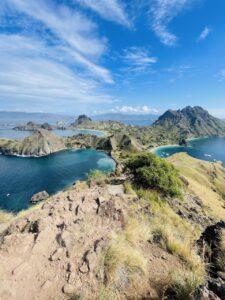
point(153, 150)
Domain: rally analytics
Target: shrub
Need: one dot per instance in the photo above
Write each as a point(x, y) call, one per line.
point(183, 285)
point(150, 171)
point(97, 177)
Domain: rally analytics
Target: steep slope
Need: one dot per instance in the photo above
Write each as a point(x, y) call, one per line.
point(40, 143)
point(190, 122)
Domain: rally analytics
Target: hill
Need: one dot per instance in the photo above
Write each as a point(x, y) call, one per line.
point(106, 239)
point(190, 122)
point(128, 119)
point(82, 120)
point(40, 143)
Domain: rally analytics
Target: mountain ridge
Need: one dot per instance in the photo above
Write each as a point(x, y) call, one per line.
point(191, 122)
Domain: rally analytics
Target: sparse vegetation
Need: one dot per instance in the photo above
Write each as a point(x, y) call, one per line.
point(5, 216)
point(124, 251)
point(183, 285)
point(97, 177)
point(152, 172)
point(128, 189)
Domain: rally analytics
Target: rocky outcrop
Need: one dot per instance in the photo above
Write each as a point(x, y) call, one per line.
point(191, 122)
point(41, 196)
point(111, 143)
point(31, 126)
point(212, 248)
point(40, 143)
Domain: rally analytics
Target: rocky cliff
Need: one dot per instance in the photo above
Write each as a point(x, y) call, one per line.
point(191, 122)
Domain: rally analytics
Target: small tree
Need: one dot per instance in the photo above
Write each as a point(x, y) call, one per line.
point(150, 171)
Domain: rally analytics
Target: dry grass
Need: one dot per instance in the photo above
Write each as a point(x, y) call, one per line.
point(128, 189)
point(206, 180)
point(125, 251)
point(5, 217)
point(177, 236)
point(183, 284)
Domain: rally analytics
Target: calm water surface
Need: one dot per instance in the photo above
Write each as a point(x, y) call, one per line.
point(21, 177)
point(8, 133)
point(209, 149)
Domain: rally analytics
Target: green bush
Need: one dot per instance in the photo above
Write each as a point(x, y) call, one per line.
point(150, 171)
point(97, 177)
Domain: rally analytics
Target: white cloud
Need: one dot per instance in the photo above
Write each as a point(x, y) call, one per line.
point(138, 60)
point(111, 10)
point(205, 32)
point(162, 12)
point(134, 110)
point(70, 29)
point(33, 71)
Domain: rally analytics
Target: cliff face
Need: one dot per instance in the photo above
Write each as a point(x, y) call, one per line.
point(40, 143)
point(191, 121)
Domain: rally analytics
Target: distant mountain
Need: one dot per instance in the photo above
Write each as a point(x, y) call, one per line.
point(190, 122)
point(82, 120)
point(128, 119)
point(12, 119)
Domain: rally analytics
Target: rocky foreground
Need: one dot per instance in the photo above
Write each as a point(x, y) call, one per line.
point(58, 250)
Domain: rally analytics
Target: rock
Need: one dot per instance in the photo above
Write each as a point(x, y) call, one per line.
point(39, 197)
point(69, 289)
point(217, 286)
point(204, 293)
point(56, 255)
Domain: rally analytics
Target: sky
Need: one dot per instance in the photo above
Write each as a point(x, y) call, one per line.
point(101, 56)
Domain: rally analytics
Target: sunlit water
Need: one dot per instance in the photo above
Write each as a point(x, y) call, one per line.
point(209, 149)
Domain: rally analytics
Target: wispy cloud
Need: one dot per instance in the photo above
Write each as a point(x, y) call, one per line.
point(204, 34)
point(68, 28)
point(112, 10)
point(177, 72)
point(138, 59)
point(162, 12)
point(134, 110)
point(33, 72)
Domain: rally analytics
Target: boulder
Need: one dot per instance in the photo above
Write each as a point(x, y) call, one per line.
point(39, 197)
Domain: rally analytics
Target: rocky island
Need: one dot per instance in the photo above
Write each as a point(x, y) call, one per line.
point(40, 143)
point(31, 126)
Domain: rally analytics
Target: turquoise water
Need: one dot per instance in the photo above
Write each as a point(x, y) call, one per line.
point(8, 133)
point(20, 177)
point(209, 149)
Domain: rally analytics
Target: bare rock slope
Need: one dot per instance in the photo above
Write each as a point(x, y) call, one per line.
point(58, 251)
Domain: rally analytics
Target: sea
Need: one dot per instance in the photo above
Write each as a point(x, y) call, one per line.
point(209, 149)
point(22, 177)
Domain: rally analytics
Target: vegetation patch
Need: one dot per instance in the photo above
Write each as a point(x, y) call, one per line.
point(152, 172)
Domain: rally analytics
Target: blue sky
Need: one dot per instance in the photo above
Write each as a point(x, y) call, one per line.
point(96, 56)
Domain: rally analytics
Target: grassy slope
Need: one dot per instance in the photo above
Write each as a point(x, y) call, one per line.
point(206, 180)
